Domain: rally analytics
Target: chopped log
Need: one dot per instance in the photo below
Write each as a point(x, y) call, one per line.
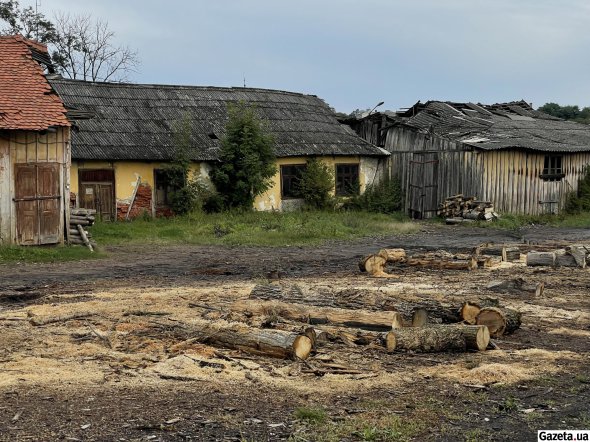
point(580, 254)
point(419, 317)
point(82, 212)
point(85, 238)
point(469, 312)
point(540, 259)
point(374, 265)
point(392, 255)
point(265, 342)
point(477, 337)
point(510, 254)
point(377, 321)
point(425, 339)
point(474, 215)
point(398, 320)
point(500, 321)
point(563, 259)
point(80, 222)
point(517, 286)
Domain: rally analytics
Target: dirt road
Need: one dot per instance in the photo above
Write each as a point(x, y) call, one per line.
point(124, 373)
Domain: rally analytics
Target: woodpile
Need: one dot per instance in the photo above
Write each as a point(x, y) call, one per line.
point(375, 265)
point(457, 209)
point(80, 220)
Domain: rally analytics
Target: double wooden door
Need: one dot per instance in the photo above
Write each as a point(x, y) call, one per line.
point(100, 197)
point(38, 201)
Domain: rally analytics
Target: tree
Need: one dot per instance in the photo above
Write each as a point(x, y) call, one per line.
point(316, 185)
point(81, 47)
point(246, 161)
point(567, 112)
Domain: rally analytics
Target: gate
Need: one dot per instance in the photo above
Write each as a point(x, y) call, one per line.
point(423, 185)
point(37, 200)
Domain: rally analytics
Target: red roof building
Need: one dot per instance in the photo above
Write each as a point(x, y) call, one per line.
point(27, 101)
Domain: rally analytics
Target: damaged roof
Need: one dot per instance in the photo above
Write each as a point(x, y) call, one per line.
point(137, 121)
point(27, 101)
point(498, 126)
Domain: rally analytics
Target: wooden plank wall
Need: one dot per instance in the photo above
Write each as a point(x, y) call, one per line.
point(30, 147)
point(508, 178)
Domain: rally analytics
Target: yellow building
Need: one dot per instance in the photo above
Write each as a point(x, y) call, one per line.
point(123, 138)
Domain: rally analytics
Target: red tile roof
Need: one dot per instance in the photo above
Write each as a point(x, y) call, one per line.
point(27, 101)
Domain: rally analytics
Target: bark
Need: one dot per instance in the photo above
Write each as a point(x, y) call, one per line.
point(580, 254)
point(392, 255)
point(517, 286)
point(500, 321)
point(540, 259)
point(510, 254)
point(425, 339)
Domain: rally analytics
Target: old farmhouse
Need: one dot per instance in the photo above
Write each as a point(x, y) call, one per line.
point(34, 148)
point(124, 134)
point(521, 160)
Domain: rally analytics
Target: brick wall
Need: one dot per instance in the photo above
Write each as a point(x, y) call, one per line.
point(142, 203)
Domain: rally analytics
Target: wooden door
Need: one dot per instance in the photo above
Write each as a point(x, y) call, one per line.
point(37, 199)
point(423, 185)
point(97, 192)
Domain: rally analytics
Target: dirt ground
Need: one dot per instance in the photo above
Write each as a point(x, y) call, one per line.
point(121, 371)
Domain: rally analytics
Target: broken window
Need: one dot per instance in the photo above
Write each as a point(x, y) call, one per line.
point(347, 179)
point(553, 168)
point(290, 178)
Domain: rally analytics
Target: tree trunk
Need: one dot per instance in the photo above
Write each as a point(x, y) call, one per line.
point(425, 339)
point(377, 321)
point(435, 263)
point(517, 286)
point(510, 254)
point(580, 254)
point(469, 312)
point(392, 255)
point(265, 342)
point(500, 321)
point(477, 337)
point(374, 265)
point(540, 259)
point(564, 259)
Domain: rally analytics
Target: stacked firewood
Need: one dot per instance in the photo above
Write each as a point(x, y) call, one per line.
point(550, 254)
point(458, 209)
point(80, 220)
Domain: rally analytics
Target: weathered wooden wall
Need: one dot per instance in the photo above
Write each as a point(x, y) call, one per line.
point(22, 147)
point(508, 178)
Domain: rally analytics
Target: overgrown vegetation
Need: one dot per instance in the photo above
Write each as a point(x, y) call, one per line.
point(384, 197)
point(15, 254)
point(578, 202)
point(513, 222)
point(567, 112)
point(316, 185)
point(246, 161)
point(253, 228)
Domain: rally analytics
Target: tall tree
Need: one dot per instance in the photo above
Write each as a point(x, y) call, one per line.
point(247, 160)
point(567, 112)
point(81, 47)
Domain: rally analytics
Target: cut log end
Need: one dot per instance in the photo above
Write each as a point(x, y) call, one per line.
point(390, 342)
point(302, 346)
point(494, 319)
point(469, 312)
point(419, 318)
point(398, 320)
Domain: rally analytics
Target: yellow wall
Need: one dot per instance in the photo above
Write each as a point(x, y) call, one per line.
point(126, 174)
point(271, 199)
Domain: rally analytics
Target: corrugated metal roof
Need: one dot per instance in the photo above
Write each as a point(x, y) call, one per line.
point(136, 122)
point(501, 126)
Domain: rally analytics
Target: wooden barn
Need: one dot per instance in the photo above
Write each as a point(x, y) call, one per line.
point(124, 135)
point(521, 160)
point(34, 148)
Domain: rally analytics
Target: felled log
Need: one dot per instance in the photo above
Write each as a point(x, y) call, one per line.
point(419, 317)
point(265, 342)
point(477, 337)
point(434, 263)
point(470, 309)
point(510, 254)
point(377, 321)
point(374, 265)
point(580, 254)
point(392, 255)
point(564, 259)
point(432, 339)
point(540, 259)
point(85, 238)
point(500, 321)
point(517, 286)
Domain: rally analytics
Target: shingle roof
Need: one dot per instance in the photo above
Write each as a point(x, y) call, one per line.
point(27, 101)
point(136, 121)
point(499, 126)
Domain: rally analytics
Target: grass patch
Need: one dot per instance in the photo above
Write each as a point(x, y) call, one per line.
point(311, 415)
point(15, 254)
point(512, 222)
point(253, 228)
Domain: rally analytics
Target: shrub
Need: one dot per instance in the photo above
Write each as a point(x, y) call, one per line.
point(384, 197)
point(247, 160)
point(580, 201)
point(316, 185)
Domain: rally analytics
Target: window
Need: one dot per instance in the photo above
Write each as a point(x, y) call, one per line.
point(553, 168)
point(163, 188)
point(290, 177)
point(347, 179)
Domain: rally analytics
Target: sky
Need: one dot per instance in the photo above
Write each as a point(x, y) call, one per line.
point(354, 54)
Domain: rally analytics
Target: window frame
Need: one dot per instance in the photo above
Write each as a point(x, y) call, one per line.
point(158, 176)
point(552, 168)
point(292, 179)
point(341, 181)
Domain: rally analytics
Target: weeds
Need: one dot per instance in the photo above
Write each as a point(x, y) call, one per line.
point(10, 254)
point(311, 415)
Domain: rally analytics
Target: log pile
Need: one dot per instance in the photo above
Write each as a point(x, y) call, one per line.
point(375, 264)
point(80, 220)
point(577, 255)
point(457, 209)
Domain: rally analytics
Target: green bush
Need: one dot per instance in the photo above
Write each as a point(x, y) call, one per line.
point(316, 185)
point(385, 196)
point(580, 201)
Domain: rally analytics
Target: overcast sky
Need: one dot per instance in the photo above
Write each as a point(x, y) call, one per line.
point(354, 54)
